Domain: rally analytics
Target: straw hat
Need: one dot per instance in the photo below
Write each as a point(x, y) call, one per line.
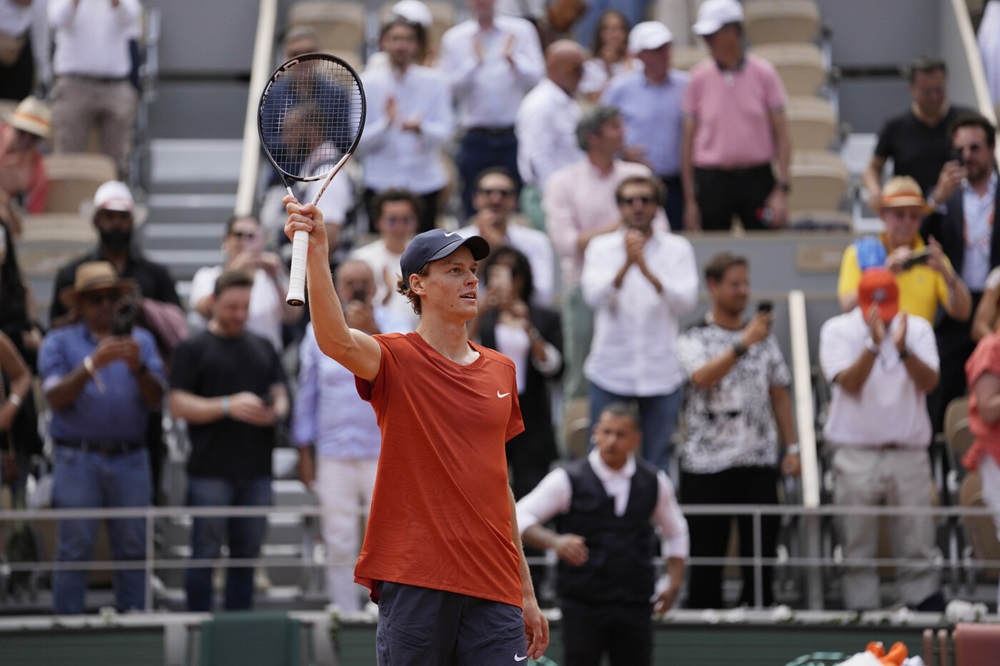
point(33, 116)
point(903, 191)
point(95, 276)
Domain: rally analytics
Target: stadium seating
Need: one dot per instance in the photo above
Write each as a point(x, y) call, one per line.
point(819, 181)
point(74, 178)
point(976, 644)
point(800, 66)
point(781, 21)
point(340, 26)
point(812, 122)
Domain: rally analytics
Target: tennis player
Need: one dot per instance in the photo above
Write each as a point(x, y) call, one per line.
point(442, 554)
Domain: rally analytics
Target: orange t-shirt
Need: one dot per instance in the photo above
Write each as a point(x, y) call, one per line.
point(440, 514)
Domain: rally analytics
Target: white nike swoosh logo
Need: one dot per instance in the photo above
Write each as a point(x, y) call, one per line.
point(516, 658)
point(449, 234)
point(504, 395)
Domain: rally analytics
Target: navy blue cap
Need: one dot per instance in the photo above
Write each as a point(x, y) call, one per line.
point(438, 244)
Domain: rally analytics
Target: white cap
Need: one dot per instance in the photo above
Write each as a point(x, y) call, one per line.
point(713, 14)
point(114, 195)
point(413, 11)
point(648, 35)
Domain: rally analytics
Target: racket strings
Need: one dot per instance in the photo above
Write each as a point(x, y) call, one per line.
point(311, 115)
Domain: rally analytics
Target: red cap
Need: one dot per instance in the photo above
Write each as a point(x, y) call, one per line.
point(878, 287)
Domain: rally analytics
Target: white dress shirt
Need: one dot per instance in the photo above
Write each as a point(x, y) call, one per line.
point(554, 494)
point(15, 19)
point(385, 266)
point(392, 157)
point(580, 198)
point(535, 245)
point(635, 327)
point(978, 234)
point(92, 37)
point(546, 133)
point(488, 93)
point(889, 409)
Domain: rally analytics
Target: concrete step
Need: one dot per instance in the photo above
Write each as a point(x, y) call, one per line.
point(176, 162)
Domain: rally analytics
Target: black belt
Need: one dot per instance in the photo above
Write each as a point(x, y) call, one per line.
point(95, 79)
point(736, 171)
point(108, 447)
point(492, 131)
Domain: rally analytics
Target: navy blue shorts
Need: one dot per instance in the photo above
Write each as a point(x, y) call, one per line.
point(422, 627)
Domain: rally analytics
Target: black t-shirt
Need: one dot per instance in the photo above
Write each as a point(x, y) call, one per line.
point(209, 365)
point(153, 279)
point(917, 150)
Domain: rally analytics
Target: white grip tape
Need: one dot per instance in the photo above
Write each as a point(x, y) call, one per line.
point(297, 272)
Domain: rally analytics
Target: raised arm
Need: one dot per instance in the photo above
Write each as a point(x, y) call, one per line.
point(354, 350)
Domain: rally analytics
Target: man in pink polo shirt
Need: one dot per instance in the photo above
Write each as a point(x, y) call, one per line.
point(734, 129)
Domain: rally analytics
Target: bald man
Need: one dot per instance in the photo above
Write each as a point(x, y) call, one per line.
point(546, 125)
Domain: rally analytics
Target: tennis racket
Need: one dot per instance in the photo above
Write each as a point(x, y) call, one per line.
point(310, 119)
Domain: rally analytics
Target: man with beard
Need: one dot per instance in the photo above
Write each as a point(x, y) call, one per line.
point(114, 219)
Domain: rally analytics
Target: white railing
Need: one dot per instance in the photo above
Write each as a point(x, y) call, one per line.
point(813, 563)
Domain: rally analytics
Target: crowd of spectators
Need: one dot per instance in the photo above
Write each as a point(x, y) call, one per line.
point(603, 160)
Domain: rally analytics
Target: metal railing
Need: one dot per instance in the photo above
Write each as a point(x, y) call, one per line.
point(813, 563)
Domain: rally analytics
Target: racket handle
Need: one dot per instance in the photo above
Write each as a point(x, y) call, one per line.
point(297, 272)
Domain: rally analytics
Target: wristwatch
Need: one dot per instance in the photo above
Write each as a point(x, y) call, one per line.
point(739, 349)
point(904, 354)
point(784, 186)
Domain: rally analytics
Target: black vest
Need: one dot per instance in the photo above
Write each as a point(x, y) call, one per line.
point(619, 568)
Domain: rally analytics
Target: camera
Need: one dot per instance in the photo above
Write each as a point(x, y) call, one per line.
point(765, 307)
point(956, 154)
point(124, 320)
point(360, 295)
point(919, 257)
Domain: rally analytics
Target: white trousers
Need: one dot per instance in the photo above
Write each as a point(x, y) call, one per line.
point(344, 488)
point(896, 477)
point(989, 472)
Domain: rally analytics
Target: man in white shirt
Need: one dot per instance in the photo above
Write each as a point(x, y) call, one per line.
point(881, 364)
point(546, 125)
point(409, 120)
point(579, 203)
point(491, 62)
point(396, 223)
point(639, 280)
point(605, 507)
point(494, 200)
point(92, 65)
point(246, 250)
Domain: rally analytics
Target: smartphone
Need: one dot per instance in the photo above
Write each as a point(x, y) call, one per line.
point(765, 307)
point(360, 295)
point(124, 320)
point(919, 257)
point(956, 154)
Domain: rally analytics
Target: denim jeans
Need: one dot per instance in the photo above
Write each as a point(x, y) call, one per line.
point(243, 535)
point(657, 418)
point(478, 151)
point(83, 479)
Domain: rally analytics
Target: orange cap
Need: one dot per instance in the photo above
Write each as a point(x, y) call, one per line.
point(878, 287)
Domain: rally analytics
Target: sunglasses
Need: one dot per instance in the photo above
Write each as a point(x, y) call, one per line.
point(100, 297)
point(393, 221)
point(629, 201)
point(498, 191)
